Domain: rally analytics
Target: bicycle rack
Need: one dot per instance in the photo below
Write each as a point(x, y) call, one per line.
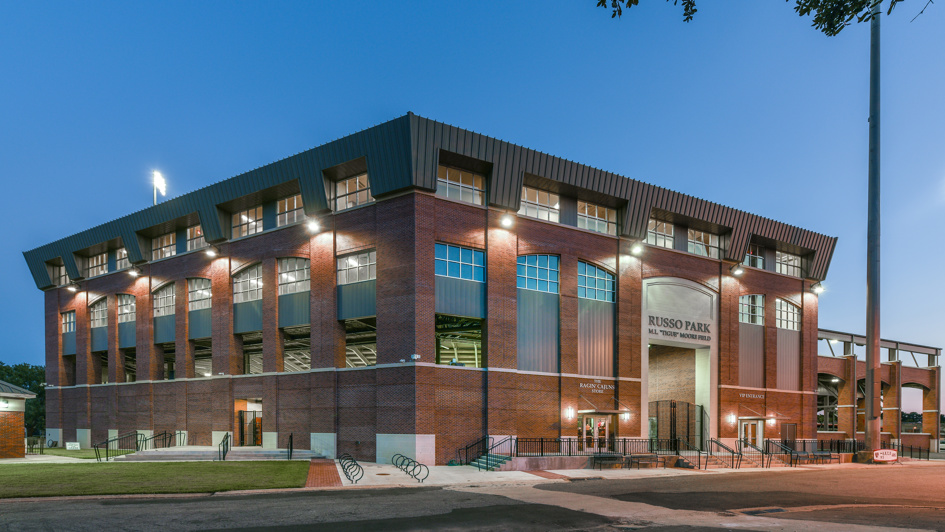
point(351, 468)
point(413, 468)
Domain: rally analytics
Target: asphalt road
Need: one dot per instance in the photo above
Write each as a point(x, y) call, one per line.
point(911, 497)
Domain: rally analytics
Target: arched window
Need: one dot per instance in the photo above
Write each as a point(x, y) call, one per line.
point(538, 272)
point(294, 275)
point(126, 308)
point(164, 301)
point(751, 309)
point(98, 313)
point(198, 293)
point(595, 283)
point(788, 315)
point(247, 284)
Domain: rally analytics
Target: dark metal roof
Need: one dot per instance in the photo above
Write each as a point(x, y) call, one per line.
point(8, 390)
point(404, 153)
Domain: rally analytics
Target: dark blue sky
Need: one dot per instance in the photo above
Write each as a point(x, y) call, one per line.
point(746, 106)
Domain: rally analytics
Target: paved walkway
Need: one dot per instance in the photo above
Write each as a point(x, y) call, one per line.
point(323, 474)
point(46, 459)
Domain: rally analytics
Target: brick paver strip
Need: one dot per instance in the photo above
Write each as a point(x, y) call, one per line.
point(546, 474)
point(322, 474)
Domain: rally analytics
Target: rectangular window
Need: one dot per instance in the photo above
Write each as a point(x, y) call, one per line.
point(788, 264)
point(788, 316)
point(195, 239)
point(164, 246)
point(98, 264)
point(68, 321)
point(59, 275)
point(351, 192)
point(357, 268)
point(538, 272)
point(248, 222)
point(289, 210)
point(755, 257)
point(595, 283)
point(751, 309)
point(540, 204)
point(460, 185)
point(459, 341)
point(98, 313)
point(460, 263)
point(121, 259)
point(126, 308)
point(659, 234)
point(597, 218)
point(198, 293)
point(164, 301)
point(247, 284)
point(294, 275)
point(703, 243)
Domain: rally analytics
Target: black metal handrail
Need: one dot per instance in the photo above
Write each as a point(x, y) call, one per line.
point(723, 453)
point(223, 447)
point(912, 450)
point(127, 443)
point(415, 469)
point(687, 451)
point(181, 438)
point(752, 453)
point(161, 440)
point(289, 457)
point(474, 450)
point(841, 446)
point(351, 468)
point(777, 449)
point(35, 441)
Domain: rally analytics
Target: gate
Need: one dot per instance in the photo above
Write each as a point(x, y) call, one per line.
point(670, 420)
point(250, 428)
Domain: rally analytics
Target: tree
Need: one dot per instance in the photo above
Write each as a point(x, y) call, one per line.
point(33, 378)
point(829, 16)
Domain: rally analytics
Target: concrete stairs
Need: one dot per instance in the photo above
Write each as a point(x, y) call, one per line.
point(490, 462)
point(206, 453)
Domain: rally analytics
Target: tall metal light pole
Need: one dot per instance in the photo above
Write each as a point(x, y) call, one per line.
point(873, 390)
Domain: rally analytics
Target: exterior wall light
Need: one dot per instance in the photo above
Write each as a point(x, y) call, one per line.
point(625, 416)
point(507, 221)
point(732, 419)
point(134, 271)
point(4, 404)
point(212, 251)
point(73, 287)
point(569, 412)
point(636, 249)
point(817, 288)
point(737, 270)
point(313, 226)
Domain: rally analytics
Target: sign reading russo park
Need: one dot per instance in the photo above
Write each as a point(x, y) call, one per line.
point(684, 329)
point(885, 455)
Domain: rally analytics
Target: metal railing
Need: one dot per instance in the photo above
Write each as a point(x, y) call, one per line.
point(723, 453)
point(690, 452)
point(127, 443)
point(351, 468)
point(161, 440)
point(912, 451)
point(415, 469)
point(33, 442)
point(752, 453)
point(775, 449)
point(471, 452)
point(841, 446)
point(290, 448)
point(223, 447)
point(587, 446)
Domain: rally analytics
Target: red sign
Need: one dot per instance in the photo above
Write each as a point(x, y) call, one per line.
point(885, 455)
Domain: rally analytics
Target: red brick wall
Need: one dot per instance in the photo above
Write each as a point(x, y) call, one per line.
point(672, 374)
point(12, 435)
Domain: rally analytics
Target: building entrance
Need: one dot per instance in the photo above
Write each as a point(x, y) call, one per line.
point(248, 422)
point(594, 432)
point(752, 431)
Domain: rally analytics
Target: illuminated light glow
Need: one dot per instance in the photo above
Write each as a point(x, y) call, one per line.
point(134, 272)
point(569, 412)
point(834, 380)
point(636, 249)
point(211, 252)
point(313, 226)
point(817, 288)
point(737, 270)
point(835, 342)
point(72, 288)
point(507, 221)
point(159, 182)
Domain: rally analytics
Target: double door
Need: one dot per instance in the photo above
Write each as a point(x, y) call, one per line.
point(594, 432)
point(752, 431)
point(250, 427)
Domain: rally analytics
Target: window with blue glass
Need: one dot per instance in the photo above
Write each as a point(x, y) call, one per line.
point(538, 272)
point(595, 283)
point(460, 263)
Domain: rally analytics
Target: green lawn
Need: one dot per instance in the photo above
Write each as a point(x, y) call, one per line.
point(59, 451)
point(47, 480)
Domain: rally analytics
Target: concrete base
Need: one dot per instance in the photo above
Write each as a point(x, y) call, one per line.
point(55, 435)
point(216, 437)
point(533, 463)
point(270, 440)
point(420, 447)
point(84, 437)
point(324, 444)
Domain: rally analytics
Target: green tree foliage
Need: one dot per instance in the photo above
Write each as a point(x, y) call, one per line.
point(32, 378)
point(829, 16)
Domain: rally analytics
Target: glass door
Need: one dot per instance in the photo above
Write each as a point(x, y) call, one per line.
point(594, 432)
point(751, 431)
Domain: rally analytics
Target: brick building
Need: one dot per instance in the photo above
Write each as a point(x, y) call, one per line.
point(415, 286)
point(12, 421)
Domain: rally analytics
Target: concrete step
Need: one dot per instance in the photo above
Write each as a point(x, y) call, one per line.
point(212, 453)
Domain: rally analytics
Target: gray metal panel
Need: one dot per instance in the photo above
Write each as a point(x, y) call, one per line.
point(295, 309)
point(596, 337)
point(247, 316)
point(751, 355)
point(538, 336)
point(164, 328)
point(200, 323)
point(127, 335)
point(459, 297)
point(68, 343)
point(99, 338)
point(789, 360)
point(357, 300)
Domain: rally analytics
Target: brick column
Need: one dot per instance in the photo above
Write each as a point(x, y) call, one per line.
point(183, 347)
point(568, 315)
point(149, 363)
point(55, 370)
point(272, 342)
point(227, 349)
point(627, 356)
point(84, 367)
point(326, 332)
point(892, 401)
point(846, 397)
point(930, 407)
point(501, 320)
point(116, 361)
point(808, 361)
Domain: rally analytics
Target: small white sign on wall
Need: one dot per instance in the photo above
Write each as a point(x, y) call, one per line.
point(72, 446)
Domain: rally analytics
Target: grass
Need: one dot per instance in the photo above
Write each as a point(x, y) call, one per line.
point(59, 451)
point(48, 480)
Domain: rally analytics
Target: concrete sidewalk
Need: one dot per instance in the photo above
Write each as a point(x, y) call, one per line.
point(46, 459)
